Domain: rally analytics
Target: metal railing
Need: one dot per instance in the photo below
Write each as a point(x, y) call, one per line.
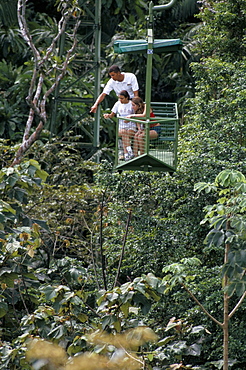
point(154, 149)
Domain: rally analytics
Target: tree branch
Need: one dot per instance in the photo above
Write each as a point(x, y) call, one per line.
point(37, 103)
point(237, 305)
point(103, 259)
point(123, 247)
point(68, 58)
point(21, 14)
point(201, 306)
point(61, 29)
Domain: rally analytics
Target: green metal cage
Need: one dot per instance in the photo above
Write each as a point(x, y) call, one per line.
point(159, 154)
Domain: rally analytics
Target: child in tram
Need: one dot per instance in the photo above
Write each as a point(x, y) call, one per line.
point(140, 111)
point(127, 129)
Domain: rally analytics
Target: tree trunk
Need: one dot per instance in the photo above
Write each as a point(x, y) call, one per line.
point(37, 99)
point(225, 332)
point(226, 311)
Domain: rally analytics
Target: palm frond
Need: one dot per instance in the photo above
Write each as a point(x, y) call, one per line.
point(8, 13)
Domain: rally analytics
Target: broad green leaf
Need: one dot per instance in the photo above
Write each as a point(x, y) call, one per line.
point(153, 295)
point(117, 326)
point(9, 279)
point(215, 238)
point(143, 302)
point(112, 296)
point(82, 317)
point(192, 261)
point(228, 270)
point(73, 349)
point(140, 287)
point(30, 275)
point(50, 292)
point(240, 187)
point(218, 222)
point(13, 246)
point(194, 350)
point(238, 223)
point(42, 174)
point(228, 178)
point(32, 170)
point(75, 273)
point(41, 223)
point(3, 308)
point(11, 180)
point(152, 280)
point(125, 308)
point(57, 332)
point(150, 357)
point(200, 186)
point(197, 329)
point(242, 258)
point(240, 288)
point(20, 195)
point(107, 321)
point(166, 340)
point(230, 289)
point(4, 206)
point(134, 310)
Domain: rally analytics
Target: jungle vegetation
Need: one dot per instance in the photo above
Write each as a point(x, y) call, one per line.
point(131, 270)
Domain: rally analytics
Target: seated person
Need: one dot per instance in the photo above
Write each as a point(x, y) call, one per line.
point(127, 129)
point(140, 111)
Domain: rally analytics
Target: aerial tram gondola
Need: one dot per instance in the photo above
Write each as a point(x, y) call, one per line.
point(159, 154)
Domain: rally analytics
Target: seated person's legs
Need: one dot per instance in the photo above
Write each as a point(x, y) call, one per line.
point(123, 135)
point(135, 144)
point(141, 142)
point(155, 132)
point(127, 135)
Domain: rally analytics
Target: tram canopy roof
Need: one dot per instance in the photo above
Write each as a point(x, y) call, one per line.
point(138, 46)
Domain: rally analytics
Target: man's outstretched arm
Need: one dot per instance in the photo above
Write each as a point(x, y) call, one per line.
point(97, 102)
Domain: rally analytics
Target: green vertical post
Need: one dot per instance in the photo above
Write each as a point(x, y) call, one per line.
point(148, 85)
point(150, 40)
point(96, 138)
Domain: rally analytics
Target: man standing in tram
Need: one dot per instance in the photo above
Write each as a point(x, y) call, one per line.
point(119, 81)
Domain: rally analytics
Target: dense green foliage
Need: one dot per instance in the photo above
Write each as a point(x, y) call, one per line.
point(85, 249)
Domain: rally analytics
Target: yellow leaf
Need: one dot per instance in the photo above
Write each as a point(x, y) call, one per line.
point(82, 317)
point(24, 236)
point(31, 252)
point(36, 227)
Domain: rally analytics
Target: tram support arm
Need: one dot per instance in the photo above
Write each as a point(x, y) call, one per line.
point(165, 6)
point(150, 40)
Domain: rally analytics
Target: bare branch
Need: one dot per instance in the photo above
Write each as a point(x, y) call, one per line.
point(28, 125)
point(68, 58)
point(27, 144)
point(123, 247)
point(21, 13)
point(237, 305)
point(61, 29)
point(201, 306)
point(35, 100)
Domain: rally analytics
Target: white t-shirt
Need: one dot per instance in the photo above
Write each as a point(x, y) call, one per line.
point(129, 84)
point(124, 110)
